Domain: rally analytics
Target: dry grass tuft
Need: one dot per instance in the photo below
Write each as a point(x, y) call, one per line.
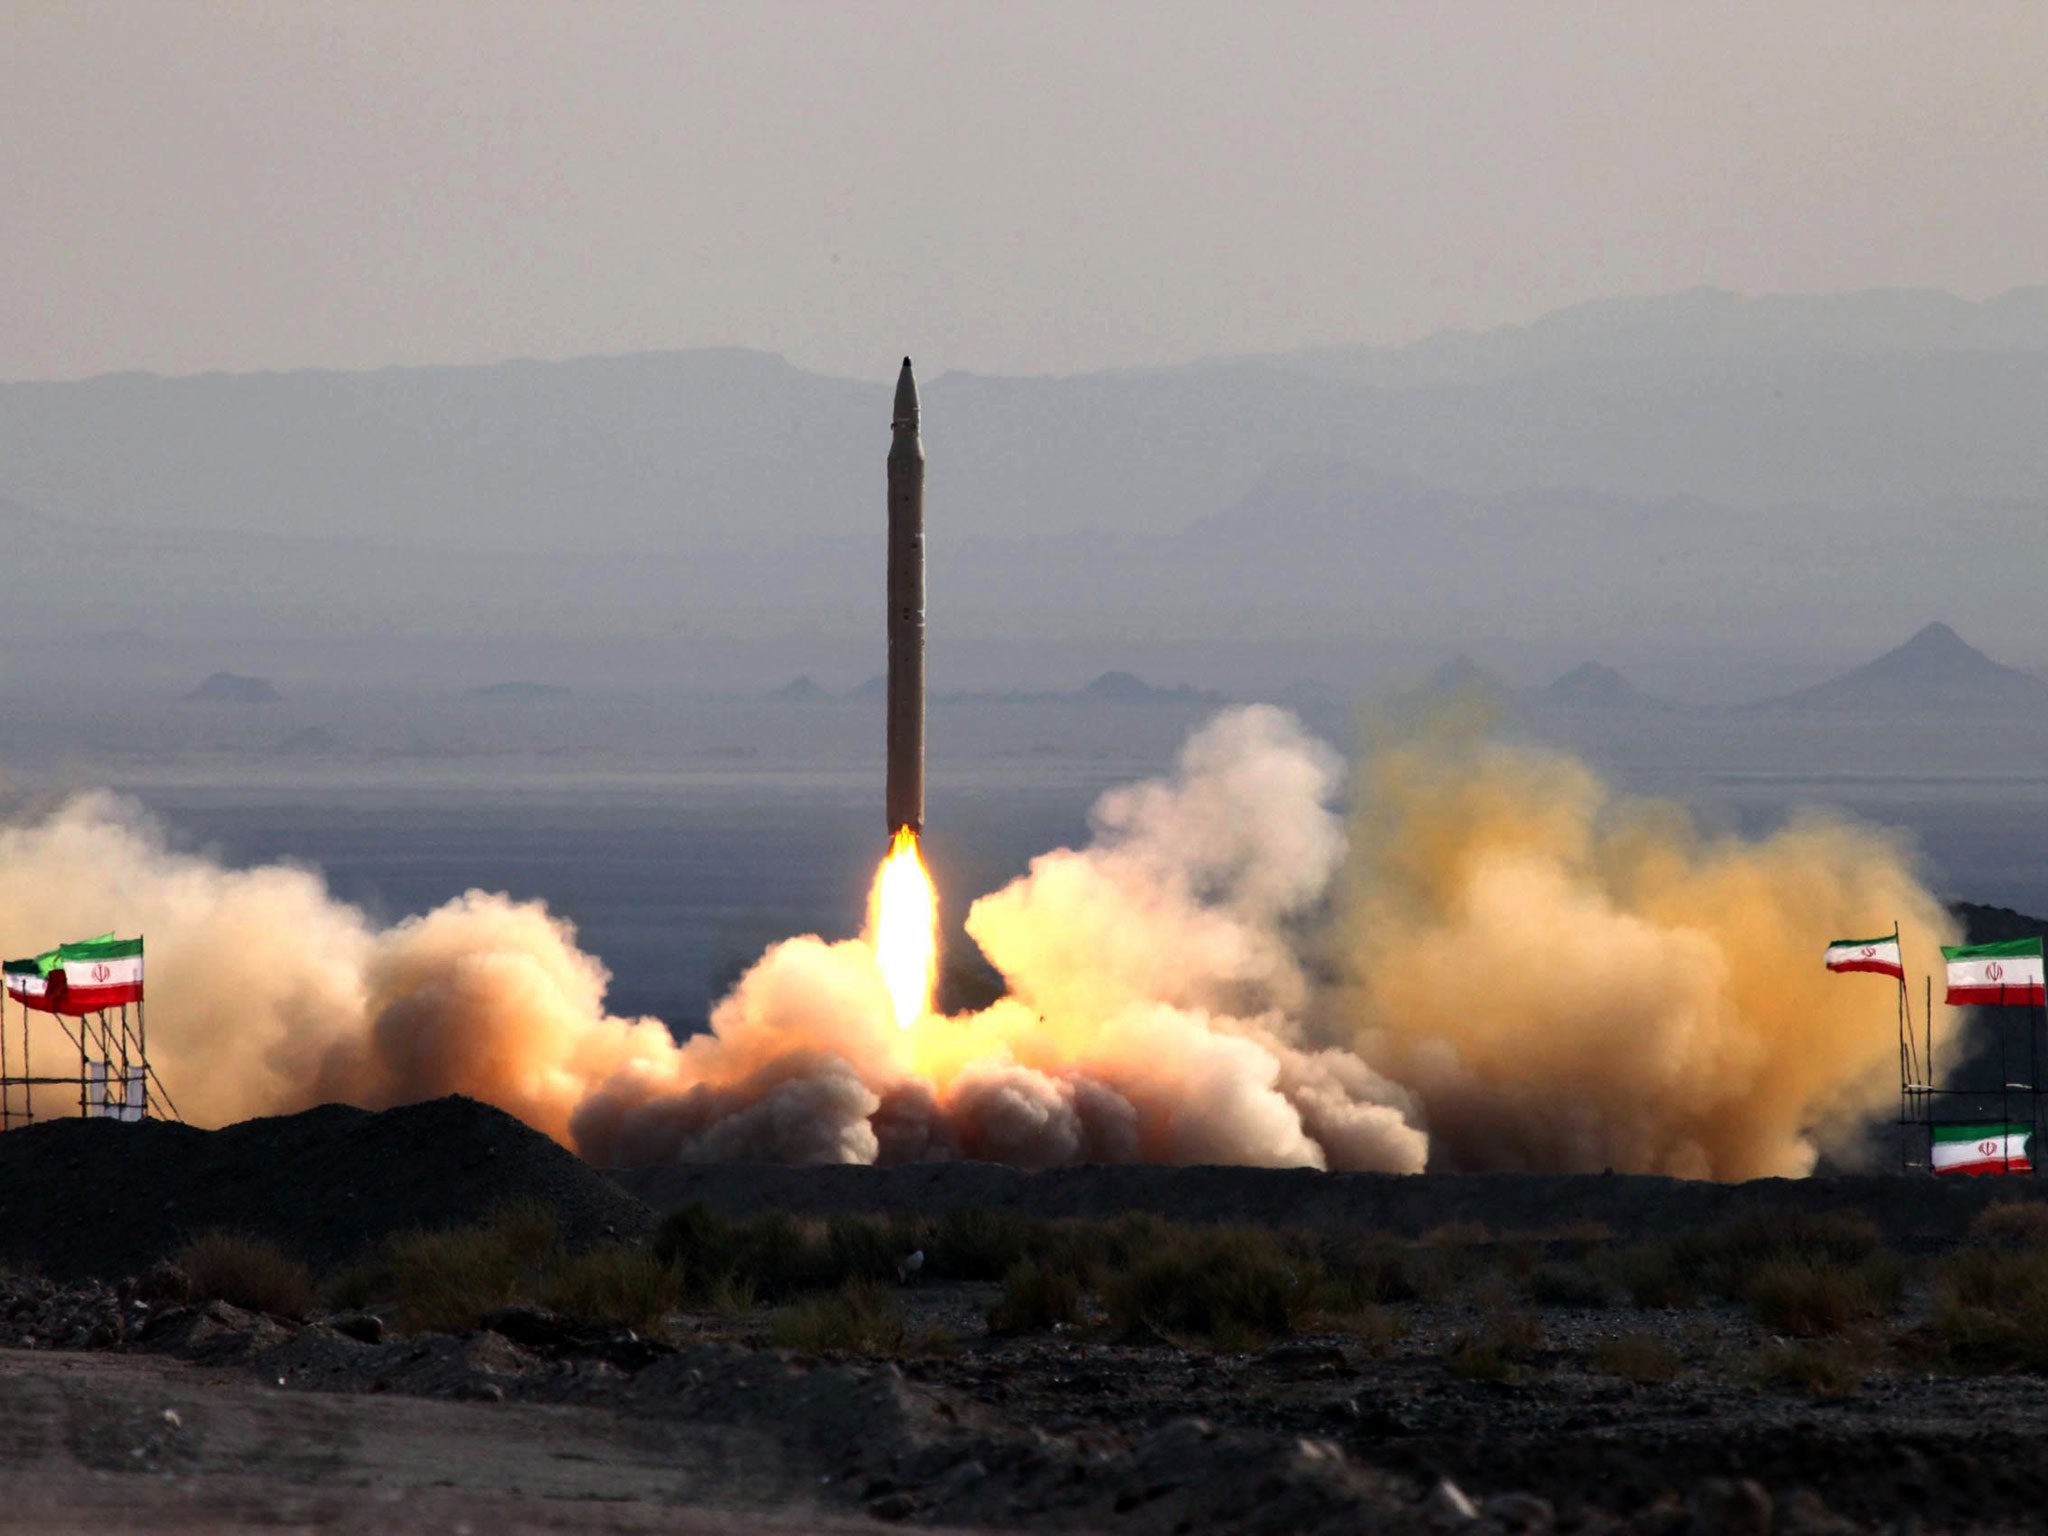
point(1375, 1270)
point(1810, 1296)
point(248, 1272)
point(1496, 1350)
point(1991, 1309)
point(1656, 1280)
point(860, 1318)
point(1375, 1329)
point(1639, 1357)
point(621, 1286)
point(1818, 1368)
point(1233, 1288)
point(2016, 1224)
point(1038, 1296)
point(1565, 1285)
point(447, 1280)
point(1726, 1258)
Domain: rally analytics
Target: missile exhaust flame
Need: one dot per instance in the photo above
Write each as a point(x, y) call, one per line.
point(903, 925)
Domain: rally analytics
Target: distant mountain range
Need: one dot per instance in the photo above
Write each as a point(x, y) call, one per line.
point(1110, 688)
point(1833, 400)
point(1935, 670)
point(1698, 325)
point(1594, 686)
point(1698, 467)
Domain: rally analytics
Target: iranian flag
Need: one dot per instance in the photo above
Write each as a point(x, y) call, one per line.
point(28, 981)
point(2008, 973)
point(1995, 1148)
point(1879, 955)
point(96, 974)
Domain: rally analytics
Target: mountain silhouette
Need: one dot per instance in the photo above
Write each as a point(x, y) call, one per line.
point(801, 690)
point(232, 688)
point(1591, 685)
point(1936, 669)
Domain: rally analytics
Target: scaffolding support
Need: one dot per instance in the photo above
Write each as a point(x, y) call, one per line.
point(128, 1086)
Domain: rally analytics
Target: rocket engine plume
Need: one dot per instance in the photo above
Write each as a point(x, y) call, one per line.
point(903, 924)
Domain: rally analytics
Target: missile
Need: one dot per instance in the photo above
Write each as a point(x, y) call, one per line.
point(905, 797)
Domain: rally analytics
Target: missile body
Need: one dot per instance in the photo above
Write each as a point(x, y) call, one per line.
point(906, 611)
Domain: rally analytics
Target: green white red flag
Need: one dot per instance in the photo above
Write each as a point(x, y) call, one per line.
point(80, 978)
point(96, 974)
point(28, 981)
point(1999, 1147)
point(1999, 974)
point(1879, 955)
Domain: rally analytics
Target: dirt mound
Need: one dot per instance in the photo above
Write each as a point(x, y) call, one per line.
point(1906, 1209)
point(99, 1198)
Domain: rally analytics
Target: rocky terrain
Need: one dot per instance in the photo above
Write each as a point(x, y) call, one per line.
point(1516, 1373)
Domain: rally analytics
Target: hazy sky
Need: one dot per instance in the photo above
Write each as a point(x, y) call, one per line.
point(996, 187)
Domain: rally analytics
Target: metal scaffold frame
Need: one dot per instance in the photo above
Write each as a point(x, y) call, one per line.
point(1924, 1106)
point(115, 1079)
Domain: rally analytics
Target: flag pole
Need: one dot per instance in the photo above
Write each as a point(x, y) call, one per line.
point(1928, 1096)
point(2033, 1087)
point(1908, 1068)
point(2004, 1089)
point(142, 1032)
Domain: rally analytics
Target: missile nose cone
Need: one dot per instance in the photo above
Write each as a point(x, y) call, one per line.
point(906, 396)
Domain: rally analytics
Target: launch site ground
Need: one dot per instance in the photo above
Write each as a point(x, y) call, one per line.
point(1314, 1352)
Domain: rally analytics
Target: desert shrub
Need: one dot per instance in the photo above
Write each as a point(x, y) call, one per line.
point(530, 1230)
point(864, 1248)
point(1639, 1357)
point(1231, 1287)
point(1808, 1295)
point(1581, 1239)
point(1817, 1367)
point(1497, 1349)
point(1375, 1329)
point(1518, 1257)
point(977, 1244)
point(1565, 1285)
point(1656, 1279)
point(626, 1287)
point(1991, 1309)
point(2012, 1224)
point(1725, 1258)
point(1037, 1296)
point(1377, 1270)
point(447, 1281)
point(860, 1318)
point(776, 1256)
point(1458, 1234)
point(246, 1271)
point(1122, 1241)
point(772, 1256)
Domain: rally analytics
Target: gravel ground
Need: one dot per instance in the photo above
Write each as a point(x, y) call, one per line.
point(1075, 1430)
point(536, 1423)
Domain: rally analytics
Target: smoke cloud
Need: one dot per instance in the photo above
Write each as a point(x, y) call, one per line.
point(1498, 963)
point(1574, 980)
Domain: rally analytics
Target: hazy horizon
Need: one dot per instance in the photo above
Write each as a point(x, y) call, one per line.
point(1021, 191)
